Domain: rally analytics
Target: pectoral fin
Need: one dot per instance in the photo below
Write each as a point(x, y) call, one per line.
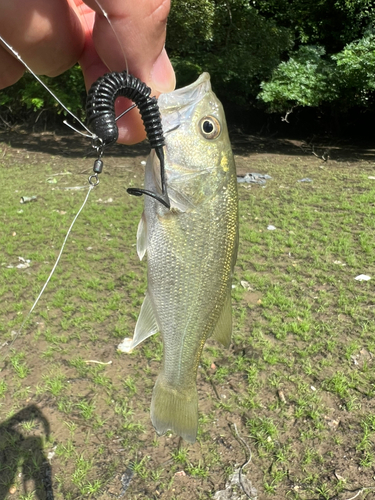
point(179, 201)
point(223, 328)
point(146, 324)
point(142, 237)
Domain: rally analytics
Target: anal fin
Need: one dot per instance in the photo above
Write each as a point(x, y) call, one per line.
point(223, 328)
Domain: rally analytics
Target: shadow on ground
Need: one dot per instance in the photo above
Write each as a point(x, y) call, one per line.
point(71, 145)
point(19, 451)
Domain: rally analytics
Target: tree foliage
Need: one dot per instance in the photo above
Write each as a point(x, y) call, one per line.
point(27, 96)
point(332, 62)
point(329, 23)
point(309, 78)
point(302, 80)
point(276, 54)
point(230, 40)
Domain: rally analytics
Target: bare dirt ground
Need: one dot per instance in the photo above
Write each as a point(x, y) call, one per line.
point(90, 422)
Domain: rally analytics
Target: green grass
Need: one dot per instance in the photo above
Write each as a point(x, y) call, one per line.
point(298, 379)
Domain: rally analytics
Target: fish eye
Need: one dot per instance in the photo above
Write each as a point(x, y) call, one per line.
point(209, 127)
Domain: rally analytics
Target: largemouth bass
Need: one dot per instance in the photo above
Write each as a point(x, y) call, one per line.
point(191, 249)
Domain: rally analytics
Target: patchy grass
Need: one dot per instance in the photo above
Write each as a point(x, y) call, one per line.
point(298, 380)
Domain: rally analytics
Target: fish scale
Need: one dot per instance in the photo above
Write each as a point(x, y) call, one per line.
point(191, 250)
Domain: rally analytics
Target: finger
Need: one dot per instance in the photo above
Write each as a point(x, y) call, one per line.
point(135, 37)
point(47, 35)
point(134, 41)
point(11, 69)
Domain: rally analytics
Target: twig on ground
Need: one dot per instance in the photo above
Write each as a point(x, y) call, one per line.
point(324, 156)
point(248, 456)
point(98, 362)
point(361, 490)
point(214, 388)
point(60, 173)
point(212, 384)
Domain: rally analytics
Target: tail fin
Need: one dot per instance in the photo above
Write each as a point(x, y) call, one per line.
point(175, 410)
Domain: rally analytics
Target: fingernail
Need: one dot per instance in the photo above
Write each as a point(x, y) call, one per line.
point(163, 78)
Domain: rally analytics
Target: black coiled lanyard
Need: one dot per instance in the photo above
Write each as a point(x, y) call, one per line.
point(100, 111)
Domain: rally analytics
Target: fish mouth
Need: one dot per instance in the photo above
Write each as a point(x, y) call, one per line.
point(177, 106)
point(179, 97)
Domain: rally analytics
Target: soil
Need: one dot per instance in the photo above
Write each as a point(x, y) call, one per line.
point(114, 455)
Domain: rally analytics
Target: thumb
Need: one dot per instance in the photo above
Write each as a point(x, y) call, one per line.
point(132, 36)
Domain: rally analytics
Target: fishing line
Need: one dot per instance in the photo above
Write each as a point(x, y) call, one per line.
point(105, 14)
point(105, 91)
point(92, 185)
point(16, 54)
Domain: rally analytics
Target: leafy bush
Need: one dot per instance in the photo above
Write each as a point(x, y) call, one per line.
point(304, 80)
point(309, 78)
point(355, 71)
point(27, 98)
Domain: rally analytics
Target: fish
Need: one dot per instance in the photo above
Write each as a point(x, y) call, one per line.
point(191, 249)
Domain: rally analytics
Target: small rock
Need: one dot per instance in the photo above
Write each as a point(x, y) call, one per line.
point(362, 277)
point(365, 353)
point(338, 476)
point(180, 473)
point(51, 454)
point(236, 491)
point(281, 395)
point(12, 490)
point(246, 286)
point(354, 359)
point(333, 424)
point(126, 345)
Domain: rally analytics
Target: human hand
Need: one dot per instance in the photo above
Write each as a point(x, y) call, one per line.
point(52, 36)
